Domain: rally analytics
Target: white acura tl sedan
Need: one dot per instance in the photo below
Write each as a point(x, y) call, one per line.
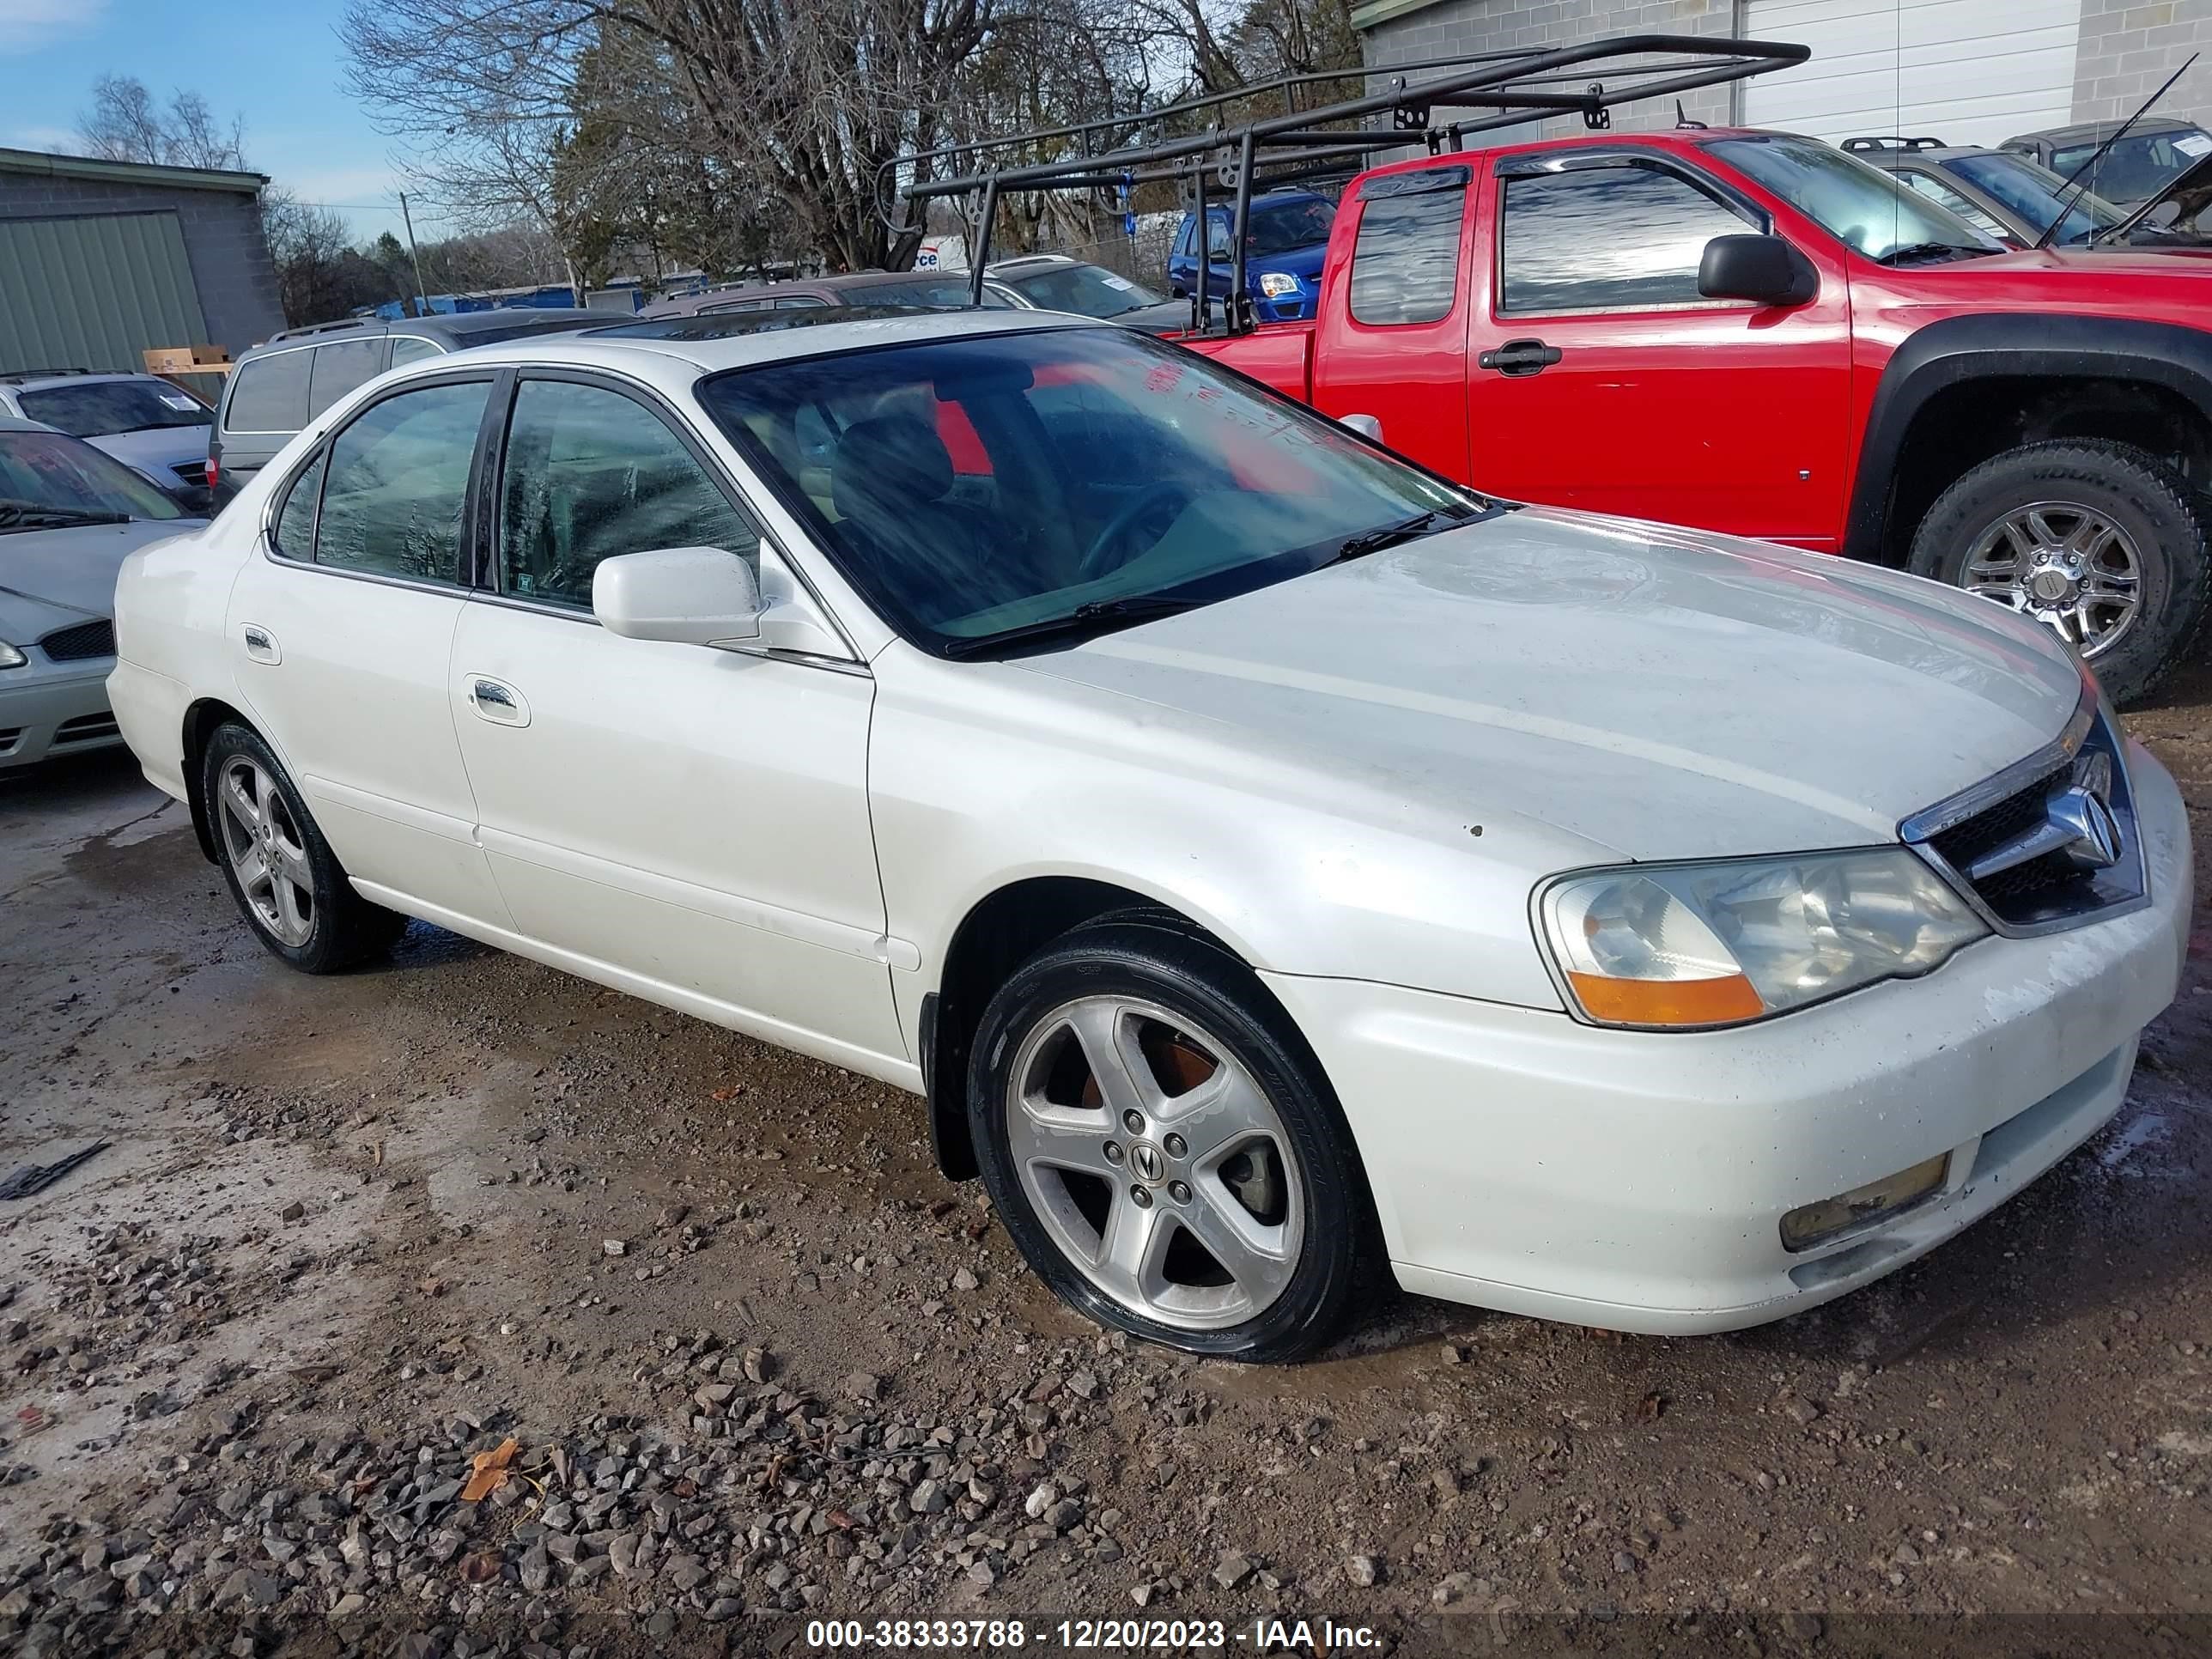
point(1278, 869)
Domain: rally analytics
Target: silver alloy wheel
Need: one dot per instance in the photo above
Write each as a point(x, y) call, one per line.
point(1171, 1187)
point(2067, 566)
point(267, 852)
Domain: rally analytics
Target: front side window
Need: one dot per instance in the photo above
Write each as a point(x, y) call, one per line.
point(1608, 239)
point(972, 487)
point(1405, 263)
point(48, 479)
point(398, 476)
point(591, 474)
point(269, 394)
point(339, 367)
point(100, 409)
point(1855, 203)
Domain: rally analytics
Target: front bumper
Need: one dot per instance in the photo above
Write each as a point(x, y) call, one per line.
point(1636, 1181)
point(46, 714)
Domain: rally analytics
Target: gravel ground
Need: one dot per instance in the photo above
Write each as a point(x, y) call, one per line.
point(461, 1307)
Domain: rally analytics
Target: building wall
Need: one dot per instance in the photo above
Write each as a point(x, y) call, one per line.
point(1473, 26)
point(2128, 50)
point(223, 242)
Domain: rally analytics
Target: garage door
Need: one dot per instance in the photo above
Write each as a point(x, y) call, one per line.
point(1965, 71)
point(94, 290)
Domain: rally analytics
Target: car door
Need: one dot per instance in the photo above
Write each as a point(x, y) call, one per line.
point(687, 821)
point(341, 633)
point(1597, 377)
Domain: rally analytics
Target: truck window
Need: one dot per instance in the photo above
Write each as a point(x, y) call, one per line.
point(1606, 239)
point(1404, 265)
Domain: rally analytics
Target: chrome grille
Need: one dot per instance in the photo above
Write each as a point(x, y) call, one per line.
point(77, 644)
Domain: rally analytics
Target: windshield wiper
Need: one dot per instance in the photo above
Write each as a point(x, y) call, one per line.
point(1390, 535)
point(29, 515)
point(1915, 252)
point(1094, 617)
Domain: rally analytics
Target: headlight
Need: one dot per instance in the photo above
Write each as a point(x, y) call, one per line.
point(1683, 945)
point(1276, 283)
point(10, 657)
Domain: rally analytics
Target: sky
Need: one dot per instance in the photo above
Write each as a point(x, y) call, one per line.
point(277, 63)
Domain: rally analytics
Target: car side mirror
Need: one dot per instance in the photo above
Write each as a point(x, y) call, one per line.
point(1763, 270)
point(688, 595)
point(1367, 426)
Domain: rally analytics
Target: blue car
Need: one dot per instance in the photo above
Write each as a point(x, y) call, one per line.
point(1284, 247)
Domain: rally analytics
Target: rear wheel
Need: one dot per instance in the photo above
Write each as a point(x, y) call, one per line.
point(282, 874)
point(1163, 1148)
point(2103, 543)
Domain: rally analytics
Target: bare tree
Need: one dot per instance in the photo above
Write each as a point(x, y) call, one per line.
point(124, 123)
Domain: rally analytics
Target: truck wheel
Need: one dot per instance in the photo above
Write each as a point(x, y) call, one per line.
point(2102, 543)
point(1161, 1145)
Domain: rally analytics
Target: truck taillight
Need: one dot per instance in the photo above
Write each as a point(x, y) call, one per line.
point(214, 465)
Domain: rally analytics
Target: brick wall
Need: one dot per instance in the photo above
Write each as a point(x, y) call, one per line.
point(2128, 48)
point(223, 242)
point(1469, 25)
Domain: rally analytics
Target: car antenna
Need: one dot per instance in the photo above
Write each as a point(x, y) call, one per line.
point(2066, 197)
point(1683, 121)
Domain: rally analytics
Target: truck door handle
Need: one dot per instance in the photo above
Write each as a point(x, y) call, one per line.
point(1519, 357)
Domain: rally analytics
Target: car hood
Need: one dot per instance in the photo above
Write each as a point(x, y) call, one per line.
point(1657, 694)
point(50, 578)
point(161, 448)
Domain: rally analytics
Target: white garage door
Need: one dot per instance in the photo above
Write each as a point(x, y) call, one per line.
point(1965, 71)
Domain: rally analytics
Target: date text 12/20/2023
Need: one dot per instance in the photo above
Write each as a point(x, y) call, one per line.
point(1089, 1635)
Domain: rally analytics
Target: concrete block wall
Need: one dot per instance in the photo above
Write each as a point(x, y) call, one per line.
point(1471, 26)
point(223, 242)
point(2128, 48)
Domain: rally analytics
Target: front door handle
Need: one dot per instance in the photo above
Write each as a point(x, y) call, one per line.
point(496, 701)
point(1520, 357)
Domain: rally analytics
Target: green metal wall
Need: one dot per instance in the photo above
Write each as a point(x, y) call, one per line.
point(94, 291)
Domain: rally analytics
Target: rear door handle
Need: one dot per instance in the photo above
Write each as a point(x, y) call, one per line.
point(260, 644)
point(496, 701)
point(1520, 357)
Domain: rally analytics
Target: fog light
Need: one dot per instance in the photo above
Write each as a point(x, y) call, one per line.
point(1816, 1224)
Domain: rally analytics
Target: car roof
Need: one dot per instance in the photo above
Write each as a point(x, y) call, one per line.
point(2102, 129)
point(26, 379)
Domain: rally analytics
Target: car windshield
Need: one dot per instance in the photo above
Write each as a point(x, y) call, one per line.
point(974, 488)
point(1279, 226)
point(99, 409)
point(2137, 167)
point(1086, 290)
point(950, 292)
point(46, 477)
point(1872, 211)
point(2034, 192)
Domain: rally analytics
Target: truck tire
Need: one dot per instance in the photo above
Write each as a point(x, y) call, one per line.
point(2068, 532)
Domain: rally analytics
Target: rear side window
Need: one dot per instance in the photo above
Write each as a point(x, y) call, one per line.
point(339, 367)
point(269, 394)
point(1606, 239)
point(412, 348)
point(1405, 265)
point(295, 524)
point(398, 474)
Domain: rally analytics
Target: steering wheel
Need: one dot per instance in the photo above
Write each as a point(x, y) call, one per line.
point(1096, 559)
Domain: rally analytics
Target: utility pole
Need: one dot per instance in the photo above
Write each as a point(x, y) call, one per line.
point(421, 293)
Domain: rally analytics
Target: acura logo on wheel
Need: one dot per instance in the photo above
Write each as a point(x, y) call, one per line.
point(1145, 1160)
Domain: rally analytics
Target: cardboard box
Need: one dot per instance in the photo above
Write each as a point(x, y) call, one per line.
point(188, 360)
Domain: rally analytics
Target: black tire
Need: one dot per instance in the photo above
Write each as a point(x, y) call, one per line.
point(345, 930)
point(2132, 488)
point(1339, 1262)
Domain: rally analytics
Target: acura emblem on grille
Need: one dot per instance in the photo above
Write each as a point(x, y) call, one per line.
point(2077, 825)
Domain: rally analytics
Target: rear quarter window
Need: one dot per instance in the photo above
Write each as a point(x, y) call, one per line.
point(1405, 263)
point(269, 394)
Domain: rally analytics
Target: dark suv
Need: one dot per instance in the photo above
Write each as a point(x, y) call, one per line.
point(290, 378)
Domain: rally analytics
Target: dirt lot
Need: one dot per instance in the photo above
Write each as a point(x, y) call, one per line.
point(760, 1363)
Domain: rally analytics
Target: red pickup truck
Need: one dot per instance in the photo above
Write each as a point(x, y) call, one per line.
point(1754, 332)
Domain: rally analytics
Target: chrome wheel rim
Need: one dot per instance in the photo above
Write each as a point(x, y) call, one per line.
point(267, 852)
point(2067, 566)
point(1156, 1162)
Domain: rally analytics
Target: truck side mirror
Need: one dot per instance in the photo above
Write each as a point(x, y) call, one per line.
point(1765, 269)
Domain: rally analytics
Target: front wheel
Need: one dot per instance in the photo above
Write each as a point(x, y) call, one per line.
point(2103, 543)
point(1163, 1150)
